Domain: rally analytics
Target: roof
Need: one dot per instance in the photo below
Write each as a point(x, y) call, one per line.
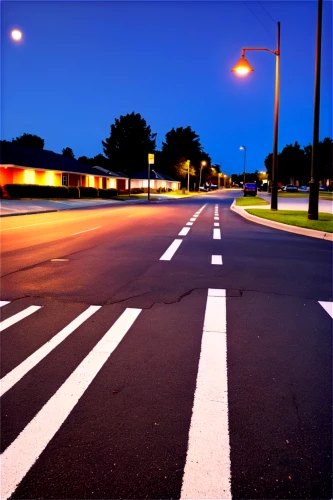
point(153, 175)
point(42, 159)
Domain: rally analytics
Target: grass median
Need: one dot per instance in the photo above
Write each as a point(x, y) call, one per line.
point(250, 201)
point(296, 218)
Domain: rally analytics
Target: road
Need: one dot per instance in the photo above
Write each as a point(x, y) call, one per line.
point(127, 376)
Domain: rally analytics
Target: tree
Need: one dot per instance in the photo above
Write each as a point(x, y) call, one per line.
point(183, 144)
point(325, 159)
point(68, 152)
point(30, 141)
point(129, 143)
point(84, 159)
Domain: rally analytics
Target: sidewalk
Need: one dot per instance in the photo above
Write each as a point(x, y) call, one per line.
point(296, 203)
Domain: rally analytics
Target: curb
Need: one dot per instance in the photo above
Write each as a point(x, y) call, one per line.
point(313, 233)
point(29, 213)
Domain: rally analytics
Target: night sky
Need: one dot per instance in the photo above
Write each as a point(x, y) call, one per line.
point(84, 63)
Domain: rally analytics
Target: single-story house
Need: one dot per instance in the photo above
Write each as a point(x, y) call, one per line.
point(157, 180)
point(22, 165)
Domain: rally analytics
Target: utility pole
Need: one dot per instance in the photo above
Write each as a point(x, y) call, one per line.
point(314, 184)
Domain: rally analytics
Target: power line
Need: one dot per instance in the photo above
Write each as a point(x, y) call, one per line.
point(267, 12)
point(257, 18)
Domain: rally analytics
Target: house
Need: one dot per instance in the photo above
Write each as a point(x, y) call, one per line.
point(157, 180)
point(22, 165)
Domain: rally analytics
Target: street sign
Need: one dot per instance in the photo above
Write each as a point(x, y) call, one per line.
point(151, 159)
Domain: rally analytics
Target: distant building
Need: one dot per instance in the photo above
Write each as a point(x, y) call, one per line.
point(21, 165)
point(157, 180)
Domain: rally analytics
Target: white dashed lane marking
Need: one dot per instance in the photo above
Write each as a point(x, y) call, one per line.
point(217, 234)
point(217, 259)
point(184, 231)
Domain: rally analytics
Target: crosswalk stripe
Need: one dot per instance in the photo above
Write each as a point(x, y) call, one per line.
point(4, 303)
point(328, 306)
point(20, 456)
point(23, 368)
point(207, 467)
point(17, 317)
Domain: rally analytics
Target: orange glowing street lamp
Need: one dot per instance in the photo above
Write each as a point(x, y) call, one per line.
point(243, 68)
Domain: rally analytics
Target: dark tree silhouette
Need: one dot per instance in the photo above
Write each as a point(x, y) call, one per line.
point(68, 152)
point(30, 141)
point(129, 143)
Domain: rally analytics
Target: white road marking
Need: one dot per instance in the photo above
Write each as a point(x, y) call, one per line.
point(217, 259)
point(92, 229)
point(17, 317)
point(184, 231)
point(4, 302)
point(217, 234)
point(23, 368)
point(59, 260)
point(216, 224)
point(21, 455)
point(328, 306)
point(207, 467)
point(216, 218)
point(11, 209)
point(171, 250)
point(193, 219)
point(189, 223)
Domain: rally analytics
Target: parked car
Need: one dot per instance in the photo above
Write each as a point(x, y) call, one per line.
point(290, 188)
point(323, 188)
point(304, 188)
point(250, 188)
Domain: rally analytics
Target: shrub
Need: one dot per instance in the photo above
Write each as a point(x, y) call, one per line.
point(136, 190)
point(73, 192)
point(36, 191)
point(107, 193)
point(88, 192)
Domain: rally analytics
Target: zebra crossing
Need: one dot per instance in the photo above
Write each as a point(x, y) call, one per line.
point(206, 453)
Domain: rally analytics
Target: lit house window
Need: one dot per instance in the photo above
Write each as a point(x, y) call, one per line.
point(29, 177)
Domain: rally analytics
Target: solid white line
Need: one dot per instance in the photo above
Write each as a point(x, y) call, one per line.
point(216, 224)
point(207, 467)
point(92, 229)
point(22, 369)
point(184, 231)
point(189, 223)
point(17, 317)
point(21, 455)
point(193, 219)
point(216, 218)
point(171, 250)
point(59, 260)
point(328, 306)
point(4, 303)
point(217, 259)
point(216, 234)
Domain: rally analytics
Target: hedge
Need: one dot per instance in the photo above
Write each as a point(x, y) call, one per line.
point(107, 193)
point(88, 192)
point(36, 191)
point(73, 192)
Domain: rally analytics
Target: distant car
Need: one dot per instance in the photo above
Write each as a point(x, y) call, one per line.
point(304, 188)
point(290, 188)
point(250, 188)
point(323, 188)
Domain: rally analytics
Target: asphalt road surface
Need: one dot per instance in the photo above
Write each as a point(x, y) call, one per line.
point(162, 351)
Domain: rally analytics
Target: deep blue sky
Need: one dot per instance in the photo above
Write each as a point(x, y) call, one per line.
point(84, 63)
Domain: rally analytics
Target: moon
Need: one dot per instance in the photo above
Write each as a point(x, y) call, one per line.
point(16, 35)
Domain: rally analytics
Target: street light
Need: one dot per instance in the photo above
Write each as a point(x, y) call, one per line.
point(243, 68)
point(202, 164)
point(16, 35)
point(244, 149)
point(188, 175)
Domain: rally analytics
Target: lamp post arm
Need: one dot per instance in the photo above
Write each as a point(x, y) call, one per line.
point(275, 52)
